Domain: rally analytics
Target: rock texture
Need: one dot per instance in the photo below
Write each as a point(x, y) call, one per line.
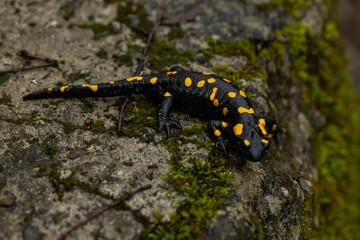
point(37, 136)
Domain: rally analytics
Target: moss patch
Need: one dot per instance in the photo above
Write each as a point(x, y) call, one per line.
point(244, 47)
point(144, 113)
point(318, 67)
point(4, 77)
point(73, 77)
point(206, 187)
point(6, 100)
point(176, 32)
point(100, 30)
point(102, 53)
point(162, 55)
point(295, 8)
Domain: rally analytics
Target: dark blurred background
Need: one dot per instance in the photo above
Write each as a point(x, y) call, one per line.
point(349, 21)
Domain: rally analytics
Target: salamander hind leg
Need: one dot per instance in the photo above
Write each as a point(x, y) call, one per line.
point(165, 122)
point(218, 129)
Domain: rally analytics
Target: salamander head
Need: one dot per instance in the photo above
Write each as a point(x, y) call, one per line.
point(250, 141)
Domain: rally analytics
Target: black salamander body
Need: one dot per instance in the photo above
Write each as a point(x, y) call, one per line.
point(197, 93)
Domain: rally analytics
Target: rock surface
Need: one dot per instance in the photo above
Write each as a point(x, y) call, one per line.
point(37, 136)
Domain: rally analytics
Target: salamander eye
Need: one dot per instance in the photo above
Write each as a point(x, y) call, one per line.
point(265, 143)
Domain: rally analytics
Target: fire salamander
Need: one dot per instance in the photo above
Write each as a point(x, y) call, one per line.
point(232, 117)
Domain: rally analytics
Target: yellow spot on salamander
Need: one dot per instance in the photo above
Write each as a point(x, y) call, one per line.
point(265, 141)
point(225, 110)
point(224, 124)
point(167, 94)
point(111, 82)
point(211, 80)
point(216, 102)
point(238, 129)
point(232, 94)
point(274, 127)
point(212, 96)
point(244, 110)
point(201, 83)
point(62, 89)
point(205, 73)
point(133, 78)
point(247, 143)
point(270, 135)
point(242, 93)
point(153, 80)
point(94, 88)
point(263, 130)
point(49, 90)
point(226, 80)
point(217, 133)
point(262, 122)
point(188, 82)
point(174, 72)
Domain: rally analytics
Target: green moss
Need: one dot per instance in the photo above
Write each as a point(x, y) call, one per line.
point(2, 184)
point(98, 126)
point(69, 8)
point(69, 183)
point(247, 73)
point(244, 47)
point(51, 151)
point(46, 76)
point(206, 187)
point(259, 233)
point(318, 67)
point(86, 107)
point(5, 100)
point(107, 2)
point(4, 77)
point(42, 170)
point(162, 55)
point(60, 84)
point(123, 60)
point(176, 32)
point(73, 77)
point(232, 48)
point(100, 30)
point(205, 182)
point(306, 221)
point(195, 130)
point(67, 126)
point(124, 10)
point(102, 53)
point(145, 115)
point(128, 163)
point(292, 7)
point(144, 23)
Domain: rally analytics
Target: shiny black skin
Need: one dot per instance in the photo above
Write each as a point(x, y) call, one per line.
point(190, 97)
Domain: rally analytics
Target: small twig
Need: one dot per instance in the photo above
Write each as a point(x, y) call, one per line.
point(142, 62)
point(26, 68)
point(25, 54)
point(101, 210)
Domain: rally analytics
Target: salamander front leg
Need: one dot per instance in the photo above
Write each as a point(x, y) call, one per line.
point(164, 118)
point(218, 129)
